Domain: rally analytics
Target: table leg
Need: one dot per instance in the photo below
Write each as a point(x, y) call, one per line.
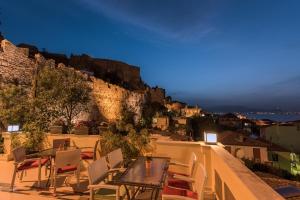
point(50, 173)
point(127, 192)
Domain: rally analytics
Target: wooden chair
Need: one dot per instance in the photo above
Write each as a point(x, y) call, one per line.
point(196, 192)
point(66, 162)
point(21, 164)
point(98, 173)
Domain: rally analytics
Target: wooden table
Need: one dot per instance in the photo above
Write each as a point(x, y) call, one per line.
point(144, 174)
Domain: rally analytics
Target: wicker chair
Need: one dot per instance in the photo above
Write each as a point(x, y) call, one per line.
point(115, 159)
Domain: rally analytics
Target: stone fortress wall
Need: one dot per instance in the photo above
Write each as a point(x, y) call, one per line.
point(18, 65)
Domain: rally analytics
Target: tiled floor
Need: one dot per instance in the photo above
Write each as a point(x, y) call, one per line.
point(26, 189)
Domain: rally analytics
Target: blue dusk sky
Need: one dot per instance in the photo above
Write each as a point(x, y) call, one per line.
point(210, 53)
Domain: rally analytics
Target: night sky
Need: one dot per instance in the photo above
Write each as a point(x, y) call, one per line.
point(213, 52)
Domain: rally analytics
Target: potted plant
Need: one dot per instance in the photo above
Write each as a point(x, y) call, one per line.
point(81, 128)
point(58, 127)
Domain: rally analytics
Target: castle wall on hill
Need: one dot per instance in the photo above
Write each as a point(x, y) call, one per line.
point(112, 71)
point(110, 99)
point(16, 66)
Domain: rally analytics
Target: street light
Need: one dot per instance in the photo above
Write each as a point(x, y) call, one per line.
point(210, 138)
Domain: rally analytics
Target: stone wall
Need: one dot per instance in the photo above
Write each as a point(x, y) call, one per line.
point(110, 100)
point(15, 66)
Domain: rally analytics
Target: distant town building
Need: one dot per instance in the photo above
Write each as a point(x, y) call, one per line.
point(190, 111)
point(242, 146)
point(175, 106)
point(230, 120)
point(286, 135)
point(161, 123)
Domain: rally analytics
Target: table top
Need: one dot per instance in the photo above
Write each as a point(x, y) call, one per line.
point(145, 173)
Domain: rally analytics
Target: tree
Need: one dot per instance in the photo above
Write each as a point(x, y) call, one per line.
point(14, 105)
point(62, 93)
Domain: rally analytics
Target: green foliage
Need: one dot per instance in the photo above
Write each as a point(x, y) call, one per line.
point(61, 93)
point(111, 141)
point(254, 166)
point(149, 111)
point(14, 105)
point(132, 145)
point(34, 136)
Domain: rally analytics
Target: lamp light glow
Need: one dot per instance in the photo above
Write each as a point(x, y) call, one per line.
point(210, 138)
point(13, 128)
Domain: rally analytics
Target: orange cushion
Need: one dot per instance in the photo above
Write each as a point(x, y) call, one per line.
point(179, 192)
point(66, 169)
point(32, 164)
point(179, 183)
point(87, 155)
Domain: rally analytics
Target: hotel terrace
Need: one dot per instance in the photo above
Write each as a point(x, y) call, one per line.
point(225, 177)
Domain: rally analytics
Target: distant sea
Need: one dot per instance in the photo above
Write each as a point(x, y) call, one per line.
point(275, 117)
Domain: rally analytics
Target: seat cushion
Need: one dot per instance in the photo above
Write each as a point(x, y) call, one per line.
point(178, 183)
point(178, 192)
point(28, 164)
point(66, 169)
point(86, 155)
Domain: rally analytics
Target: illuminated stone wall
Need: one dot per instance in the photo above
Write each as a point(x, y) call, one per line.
point(107, 99)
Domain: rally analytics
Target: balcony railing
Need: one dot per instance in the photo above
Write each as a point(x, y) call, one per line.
point(228, 178)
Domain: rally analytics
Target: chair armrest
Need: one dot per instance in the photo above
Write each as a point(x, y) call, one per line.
point(103, 186)
point(178, 163)
point(184, 178)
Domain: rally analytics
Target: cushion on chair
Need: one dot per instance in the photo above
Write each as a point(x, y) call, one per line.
point(66, 169)
point(32, 164)
point(178, 183)
point(185, 193)
point(86, 155)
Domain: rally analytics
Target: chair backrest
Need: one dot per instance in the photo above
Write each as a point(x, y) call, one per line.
point(97, 150)
point(115, 158)
point(61, 143)
point(19, 154)
point(191, 163)
point(97, 171)
point(67, 158)
point(200, 179)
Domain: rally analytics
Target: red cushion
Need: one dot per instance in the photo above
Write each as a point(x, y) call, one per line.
point(66, 169)
point(185, 193)
point(179, 183)
point(32, 164)
point(173, 191)
point(87, 155)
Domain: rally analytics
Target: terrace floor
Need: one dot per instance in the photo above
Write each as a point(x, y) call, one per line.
point(26, 189)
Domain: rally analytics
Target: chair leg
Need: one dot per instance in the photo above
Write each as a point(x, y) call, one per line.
point(91, 194)
point(14, 177)
point(40, 173)
point(78, 176)
point(54, 183)
point(21, 175)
